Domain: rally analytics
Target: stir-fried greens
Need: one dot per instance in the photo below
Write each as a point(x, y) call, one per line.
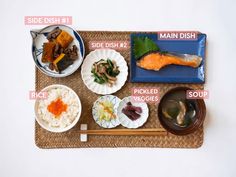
point(105, 71)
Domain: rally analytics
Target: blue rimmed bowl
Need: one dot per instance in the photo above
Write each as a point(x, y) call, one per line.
point(40, 36)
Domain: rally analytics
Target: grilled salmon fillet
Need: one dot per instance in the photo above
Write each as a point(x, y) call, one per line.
point(156, 60)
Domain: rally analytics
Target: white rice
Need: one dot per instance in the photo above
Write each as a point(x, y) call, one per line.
point(66, 118)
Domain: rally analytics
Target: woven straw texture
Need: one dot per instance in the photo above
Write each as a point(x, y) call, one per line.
point(71, 138)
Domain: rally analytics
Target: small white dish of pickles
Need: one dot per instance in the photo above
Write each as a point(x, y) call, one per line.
point(109, 111)
point(104, 111)
point(132, 114)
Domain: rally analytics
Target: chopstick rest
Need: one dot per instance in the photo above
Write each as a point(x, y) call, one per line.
point(83, 137)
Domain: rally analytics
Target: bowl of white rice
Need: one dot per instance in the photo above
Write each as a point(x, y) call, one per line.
point(60, 110)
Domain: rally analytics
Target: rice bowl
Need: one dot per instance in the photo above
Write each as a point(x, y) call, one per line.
point(60, 111)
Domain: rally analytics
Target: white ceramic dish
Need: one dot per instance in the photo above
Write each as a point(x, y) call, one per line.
point(95, 56)
point(96, 108)
point(127, 122)
point(71, 106)
point(40, 36)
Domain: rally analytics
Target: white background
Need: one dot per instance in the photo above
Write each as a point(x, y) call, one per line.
point(20, 157)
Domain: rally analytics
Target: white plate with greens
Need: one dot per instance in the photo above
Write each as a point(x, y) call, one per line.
point(104, 71)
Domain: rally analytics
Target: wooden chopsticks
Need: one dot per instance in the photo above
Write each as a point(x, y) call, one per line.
point(125, 132)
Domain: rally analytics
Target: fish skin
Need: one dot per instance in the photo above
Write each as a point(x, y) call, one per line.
point(156, 61)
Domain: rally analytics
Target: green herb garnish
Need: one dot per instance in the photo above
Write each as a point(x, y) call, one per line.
point(143, 45)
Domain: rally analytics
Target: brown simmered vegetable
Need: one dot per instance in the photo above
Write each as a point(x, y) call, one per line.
point(48, 50)
point(51, 66)
point(64, 39)
point(53, 34)
point(62, 62)
point(59, 43)
point(72, 52)
point(57, 51)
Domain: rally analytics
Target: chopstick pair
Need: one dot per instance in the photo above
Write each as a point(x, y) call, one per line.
point(84, 132)
point(124, 132)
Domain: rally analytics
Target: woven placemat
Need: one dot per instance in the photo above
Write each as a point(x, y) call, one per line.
point(71, 138)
